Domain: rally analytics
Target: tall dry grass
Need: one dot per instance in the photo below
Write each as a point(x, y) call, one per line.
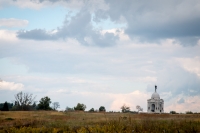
point(84, 122)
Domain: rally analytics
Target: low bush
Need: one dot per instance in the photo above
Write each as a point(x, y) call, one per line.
point(189, 112)
point(9, 119)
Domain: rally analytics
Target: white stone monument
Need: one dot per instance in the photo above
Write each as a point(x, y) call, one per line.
point(155, 104)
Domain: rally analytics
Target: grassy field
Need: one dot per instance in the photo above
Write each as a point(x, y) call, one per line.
point(85, 122)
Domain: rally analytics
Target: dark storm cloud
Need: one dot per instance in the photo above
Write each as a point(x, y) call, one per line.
point(150, 21)
point(37, 34)
point(153, 20)
point(79, 27)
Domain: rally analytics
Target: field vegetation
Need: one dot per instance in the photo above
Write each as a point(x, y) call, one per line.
point(96, 122)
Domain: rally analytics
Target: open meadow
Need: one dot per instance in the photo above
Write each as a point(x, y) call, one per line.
point(85, 122)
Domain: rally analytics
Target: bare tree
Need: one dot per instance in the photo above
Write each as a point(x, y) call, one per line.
point(139, 108)
point(23, 101)
point(55, 105)
point(125, 108)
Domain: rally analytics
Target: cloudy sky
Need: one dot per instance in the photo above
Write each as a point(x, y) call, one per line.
point(102, 52)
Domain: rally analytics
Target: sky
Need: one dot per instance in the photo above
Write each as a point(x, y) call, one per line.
point(101, 53)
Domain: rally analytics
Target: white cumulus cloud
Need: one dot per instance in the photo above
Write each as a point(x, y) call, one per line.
point(191, 64)
point(12, 22)
point(4, 85)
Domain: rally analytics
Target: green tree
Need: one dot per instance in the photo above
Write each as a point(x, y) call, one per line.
point(189, 112)
point(91, 110)
point(102, 108)
point(172, 112)
point(10, 105)
point(80, 106)
point(44, 103)
point(5, 107)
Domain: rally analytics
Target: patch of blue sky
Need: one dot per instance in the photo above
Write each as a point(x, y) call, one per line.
point(7, 67)
point(47, 18)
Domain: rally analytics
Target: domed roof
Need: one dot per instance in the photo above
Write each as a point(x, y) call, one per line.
point(155, 95)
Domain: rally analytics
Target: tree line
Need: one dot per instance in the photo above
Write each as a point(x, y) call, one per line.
point(26, 102)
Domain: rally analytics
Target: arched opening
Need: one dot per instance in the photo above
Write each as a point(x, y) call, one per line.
point(153, 107)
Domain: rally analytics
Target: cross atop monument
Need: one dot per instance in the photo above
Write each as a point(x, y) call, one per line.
point(155, 87)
